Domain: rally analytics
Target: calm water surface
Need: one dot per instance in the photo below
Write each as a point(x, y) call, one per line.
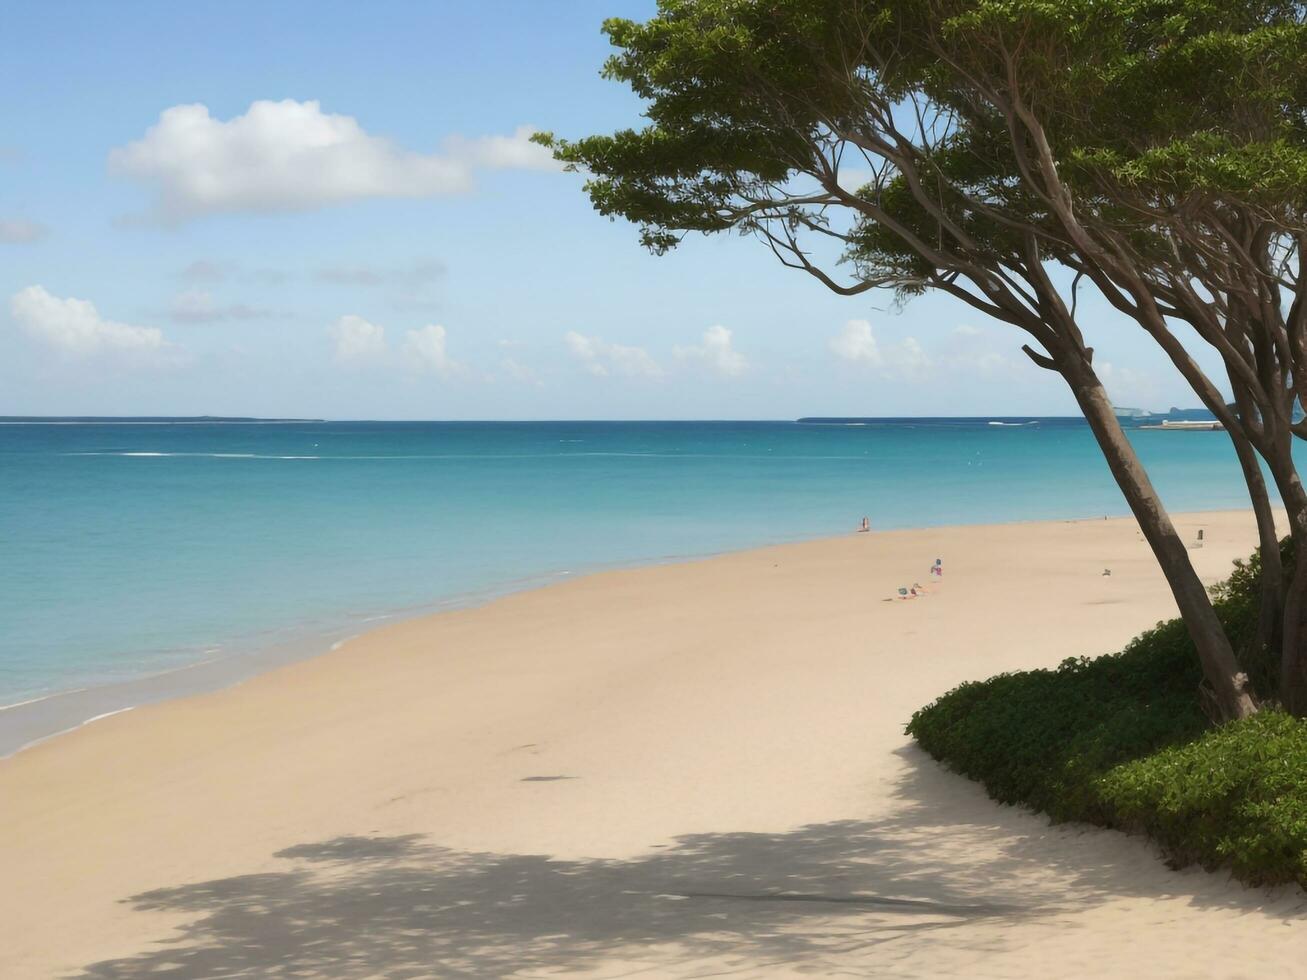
point(133, 549)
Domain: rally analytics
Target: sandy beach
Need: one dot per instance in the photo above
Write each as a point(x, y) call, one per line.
point(683, 770)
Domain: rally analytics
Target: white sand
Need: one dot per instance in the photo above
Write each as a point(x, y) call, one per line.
point(690, 770)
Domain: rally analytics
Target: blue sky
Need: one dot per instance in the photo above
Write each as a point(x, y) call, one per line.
point(164, 250)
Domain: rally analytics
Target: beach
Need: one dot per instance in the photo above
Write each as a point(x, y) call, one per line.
point(680, 770)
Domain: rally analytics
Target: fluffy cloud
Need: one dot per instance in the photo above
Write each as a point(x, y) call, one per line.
point(359, 342)
point(74, 326)
point(601, 358)
point(424, 349)
point(515, 152)
point(716, 351)
point(292, 156)
point(356, 341)
point(908, 358)
point(857, 344)
point(15, 231)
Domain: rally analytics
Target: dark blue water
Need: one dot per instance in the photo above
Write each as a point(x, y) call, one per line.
point(134, 548)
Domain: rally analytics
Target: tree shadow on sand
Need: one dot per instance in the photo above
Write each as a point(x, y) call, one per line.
point(397, 907)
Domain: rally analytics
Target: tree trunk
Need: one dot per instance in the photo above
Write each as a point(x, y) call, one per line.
point(1293, 658)
point(1269, 636)
point(1230, 689)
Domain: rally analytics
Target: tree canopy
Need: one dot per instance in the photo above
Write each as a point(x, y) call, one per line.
point(1157, 148)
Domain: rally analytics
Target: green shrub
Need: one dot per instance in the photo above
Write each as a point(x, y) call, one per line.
point(1121, 741)
point(1237, 796)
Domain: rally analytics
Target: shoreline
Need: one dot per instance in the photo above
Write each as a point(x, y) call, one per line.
point(611, 773)
point(33, 721)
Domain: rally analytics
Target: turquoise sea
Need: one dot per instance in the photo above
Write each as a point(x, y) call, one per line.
point(131, 549)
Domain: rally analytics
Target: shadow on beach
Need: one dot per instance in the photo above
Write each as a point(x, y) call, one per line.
point(356, 907)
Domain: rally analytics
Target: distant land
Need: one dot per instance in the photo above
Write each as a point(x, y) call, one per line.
point(129, 419)
point(1172, 414)
point(866, 419)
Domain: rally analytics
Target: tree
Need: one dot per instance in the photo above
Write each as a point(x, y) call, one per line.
point(1165, 141)
point(756, 107)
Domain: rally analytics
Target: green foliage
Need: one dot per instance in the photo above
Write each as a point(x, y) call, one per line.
point(1235, 797)
point(1041, 737)
point(1121, 741)
point(1161, 98)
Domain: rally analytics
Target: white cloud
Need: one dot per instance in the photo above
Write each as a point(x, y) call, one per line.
point(716, 351)
point(360, 342)
point(601, 358)
point(356, 341)
point(515, 152)
point(75, 326)
point(425, 349)
point(16, 231)
point(908, 358)
point(966, 330)
point(292, 156)
point(857, 344)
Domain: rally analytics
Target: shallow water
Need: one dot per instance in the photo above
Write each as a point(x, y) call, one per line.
point(134, 549)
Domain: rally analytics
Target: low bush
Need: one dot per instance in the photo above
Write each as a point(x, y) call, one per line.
point(1121, 741)
point(1235, 797)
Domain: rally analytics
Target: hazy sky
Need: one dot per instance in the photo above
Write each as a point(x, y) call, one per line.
point(330, 209)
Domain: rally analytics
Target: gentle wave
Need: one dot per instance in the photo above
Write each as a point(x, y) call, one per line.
point(477, 456)
point(64, 731)
point(42, 697)
point(205, 455)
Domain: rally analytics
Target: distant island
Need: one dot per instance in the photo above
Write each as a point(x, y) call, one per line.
point(11, 419)
point(1125, 414)
point(1172, 414)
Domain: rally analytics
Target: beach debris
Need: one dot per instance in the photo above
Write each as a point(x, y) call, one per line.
point(1107, 571)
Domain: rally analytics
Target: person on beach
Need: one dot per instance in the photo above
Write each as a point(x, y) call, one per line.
point(865, 526)
point(937, 569)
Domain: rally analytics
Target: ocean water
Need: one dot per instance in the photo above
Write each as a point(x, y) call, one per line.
point(133, 549)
